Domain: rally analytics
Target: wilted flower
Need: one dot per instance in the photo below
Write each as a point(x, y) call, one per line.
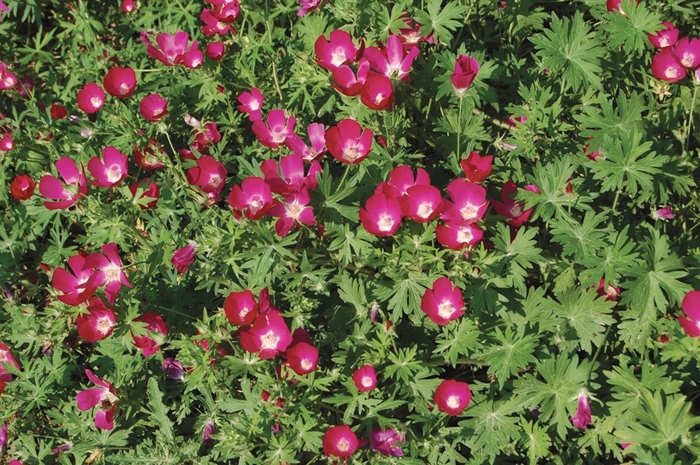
point(67, 194)
point(251, 103)
point(153, 107)
point(665, 37)
point(384, 440)
point(102, 395)
point(183, 258)
point(205, 135)
point(365, 378)
point(98, 323)
point(120, 82)
point(209, 429)
point(691, 307)
point(663, 213)
point(339, 50)
point(466, 69)
point(582, 418)
point(62, 448)
point(22, 187)
point(340, 441)
point(268, 336)
point(150, 156)
point(111, 170)
point(154, 325)
point(443, 302)
point(348, 143)
point(452, 396)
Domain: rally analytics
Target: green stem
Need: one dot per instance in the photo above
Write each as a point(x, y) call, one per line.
point(460, 361)
point(614, 205)
point(689, 123)
point(597, 352)
point(459, 130)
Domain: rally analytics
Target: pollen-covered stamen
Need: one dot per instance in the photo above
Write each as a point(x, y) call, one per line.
point(114, 173)
point(214, 180)
point(294, 210)
point(338, 57)
point(446, 309)
point(306, 364)
point(351, 153)
point(687, 60)
point(96, 101)
point(112, 272)
point(104, 325)
point(469, 211)
point(453, 402)
point(367, 381)
point(343, 445)
point(386, 223)
point(269, 341)
point(671, 72)
point(465, 235)
point(425, 209)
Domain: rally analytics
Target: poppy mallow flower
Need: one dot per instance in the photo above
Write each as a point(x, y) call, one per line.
point(209, 175)
point(302, 357)
point(348, 142)
point(58, 111)
point(102, 395)
point(146, 193)
point(172, 49)
point(153, 107)
point(443, 302)
point(78, 286)
point(120, 82)
point(173, 368)
point(241, 308)
point(317, 137)
point(268, 336)
point(365, 378)
point(127, 6)
point(183, 257)
point(665, 66)
point(8, 79)
point(292, 212)
point(384, 441)
point(156, 331)
point(339, 50)
point(468, 204)
point(215, 50)
point(22, 187)
point(377, 92)
point(98, 323)
point(511, 209)
point(111, 170)
point(340, 441)
point(252, 199)
point(477, 168)
point(392, 60)
point(381, 215)
point(349, 82)
point(614, 5)
point(691, 308)
point(108, 270)
point(308, 6)
point(293, 179)
point(663, 213)
point(251, 103)
point(687, 52)
point(452, 396)
point(582, 417)
point(275, 132)
point(6, 142)
point(666, 37)
point(7, 359)
point(466, 69)
point(64, 194)
point(91, 98)
point(213, 25)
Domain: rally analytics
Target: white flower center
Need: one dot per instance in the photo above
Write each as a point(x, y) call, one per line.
point(103, 325)
point(671, 72)
point(269, 341)
point(114, 173)
point(338, 57)
point(425, 210)
point(306, 364)
point(351, 153)
point(294, 210)
point(453, 402)
point(664, 42)
point(687, 60)
point(469, 211)
point(366, 381)
point(464, 235)
point(379, 98)
point(446, 310)
point(96, 101)
point(343, 445)
point(112, 272)
point(386, 223)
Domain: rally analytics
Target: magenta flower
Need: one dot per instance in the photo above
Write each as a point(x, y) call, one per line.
point(477, 168)
point(308, 6)
point(452, 396)
point(78, 286)
point(317, 137)
point(348, 143)
point(456, 235)
point(205, 135)
point(613, 5)
point(339, 50)
point(365, 378)
point(172, 49)
point(466, 69)
point(410, 35)
point(511, 209)
point(153, 107)
point(173, 368)
point(302, 357)
point(443, 302)
point(4, 9)
point(150, 157)
point(108, 270)
point(381, 215)
point(251, 103)
point(6, 358)
point(209, 175)
point(275, 132)
point(215, 50)
point(665, 37)
point(582, 418)
point(422, 204)
point(349, 82)
point(213, 25)
point(377, 92)
point(146, 193)
point(183, 258)
point(111, 170)
point(209, 429)
point(156, 327)
point(8, 79)
point(225, 10)
point(293, 179)
point(64, 194)
point(392, 60)
point(691, 307)
point(98, 323)
point(340, 441)
point(6, 142)
point(468, 204)
point(663, 213)
point(241, 308)
point(401, 179)
point(268, 336)
point(22, 187)
point(610, 292)
point(127, 6)
point(104, 396)
point(665, 66)
point(687, 52)
point(295, 210)
point(384, 440)
point(252, 199)
point(120, 82)
point(91, 98)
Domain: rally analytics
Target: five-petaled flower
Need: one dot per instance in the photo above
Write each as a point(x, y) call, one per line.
point(104, 396)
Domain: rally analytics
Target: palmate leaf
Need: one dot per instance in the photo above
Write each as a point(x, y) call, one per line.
point(571, 49)
point(440, 21)
point(510, 352)
point(552, 179)
point(492, 426)
point(611, 120)
point(581, 240)
point(518, 255)
point(632, 28)
point(608, 263)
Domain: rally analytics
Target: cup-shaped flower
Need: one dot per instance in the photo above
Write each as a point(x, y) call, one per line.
point(477, 168)
point(511, 209)
point(157, 330)
point(215, 50)
point(173, 368)
point(102, 395)
point(691, 307)
point(365, 378)
point(193, 58)
point(377, 92)
point(615, 5)
point(401, 179)
point(8, 79)
point(146, 193)
point(421, 203)
point(171, 48)
point(108, 270)
point(225, 10)
point(665, 66)
point(381, 215)
point(339, 50)
point(410, 35)
point(209, 175)
point(91, 98)
point(120, 82)
point(268, 336)
point(77, 287)
point(241, 308)
point(663, 213)
point(293, 179)
point(253, 199)
point(251, 103)
point(457, 234)
point(340, 441)
point(384, 441)
point(58, 111)
point(687, 52)
point(22, 187)
point(111, 170)
point(452, 396)
point(348, 143)
point(468, 204)
point(302, 357)
point(275, 132)
point(293, 211)
point(6, 142)
point(153, 107)
point(213, 25)
point(317, 137)
point(127, 6)
point(64, 194)
point(308, 6)
point(6, 358)
point(184, 257)
point(610, 292)
point(582, 417)
point(443, 302)
point(209, 429)
point(98, 323)
point(392, 60)
point(150, 157)
point(466, 69)
point(349, 82)
point(666, 37)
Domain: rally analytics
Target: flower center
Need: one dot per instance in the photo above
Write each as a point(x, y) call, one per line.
point(3, 356)
point(269, 341)
point(379, 98)
point(516, 210)
point(214, 180)
point(425, 210)
point(446, 310)
point(124, 87)
point(306, 364)
point(95, 101)
point(343, 445)
point(366, 381)
point(687, 60)
point(294, 210)
point(453, 402)
point(114, 173)
point(279, 137)
point(464, 235)
point(104, 325)
point(112, 272)
point(664, 42)
point(469, 211)
point(671, 72)
point(351, 153)
point(338, 57)
point(386, 223)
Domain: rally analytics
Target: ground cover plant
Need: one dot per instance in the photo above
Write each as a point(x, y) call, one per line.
point(349, 231)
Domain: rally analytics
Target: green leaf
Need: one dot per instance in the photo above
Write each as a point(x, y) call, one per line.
point(536, 440)
point(611, 120)
point(494, 425)
point(553, 199)
point(608, 263)
point(510, 352)
point(460, 342)
point(160, 412)
point(440, 21)
point(581, 240)
point(517, 256)
point(632, 28)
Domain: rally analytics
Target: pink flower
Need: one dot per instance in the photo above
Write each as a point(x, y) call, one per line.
point(456, 235)
point(443, 302)
point(91, 98)
point(173, 368)
point(687, 52)
point(8, 79)
point(241, 308)
point(381, 215)
point(691, 307)
point(67, 194)
point(120, 82)
point(275, 132)
point(511, 209)
point(422, 204)
point(365, 378)
point(127, 6)
point(452, 396)
point(477, 168)
point(155, 326)
point(209, 175)
point(153, 107)
point(268, 336)
point(172, 49)
point(466, 69)
point(213, 25)
point(293, 179)
point(215, 50)
point(6, 142)
point(252, 199)
point(225, 10)
point(302, 357)
point(150, 157)
point(377, 92)
point(349, 82)
point(58, 111)
point(209, 429)
point(613, 5)
point(384, 440)
point(665, 66)
point(295, 210)
point(206, 135)
point(317, 137)
point(22, 187)
point(108, 270)
point(111, 170)
point(392, 60)
point(98, 323)
point(340, 442)
point(102, 395)
point(193, 58)
point(401, 179)
point(348, 143)
point(308, 6)
point(4, 9)
point(664, 213)
point(469, 199)
point(251, 103)
point(78, 286)
point(183, 258)
point(6, 358)
point(146, 193)
point(610, 292)
point(410, 35)
point(340, 50)
point(582, 418)
point(665, 37)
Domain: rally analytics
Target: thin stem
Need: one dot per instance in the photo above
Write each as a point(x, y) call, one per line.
point(689, 123)
point(614, 205)
point(459, 130)
point(597, 352)
point(460, 361)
